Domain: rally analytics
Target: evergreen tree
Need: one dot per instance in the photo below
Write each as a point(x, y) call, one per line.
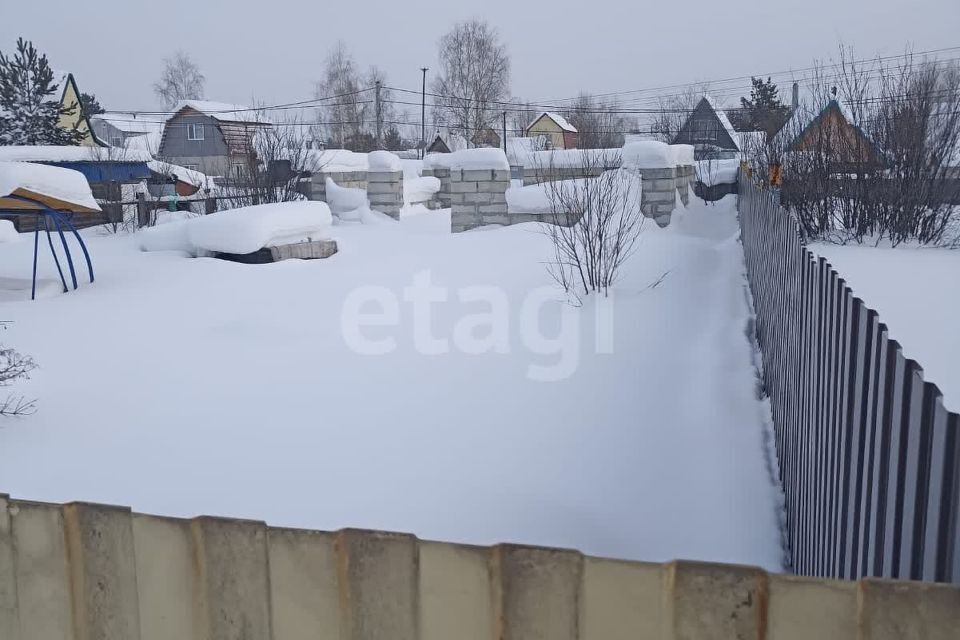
point(91, 106)
point(30, 101)
point(763, 111)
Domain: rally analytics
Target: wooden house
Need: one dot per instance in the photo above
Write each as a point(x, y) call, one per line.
point(118, 128)
point(438, 146)
point(487, 137)
point(213, 138)
point(554, 130)
point(832, 132)
point(709, 131)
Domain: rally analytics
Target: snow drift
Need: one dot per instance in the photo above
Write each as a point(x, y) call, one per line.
point(243, 230)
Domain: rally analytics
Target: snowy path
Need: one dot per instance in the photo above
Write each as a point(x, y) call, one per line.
point(182, 386)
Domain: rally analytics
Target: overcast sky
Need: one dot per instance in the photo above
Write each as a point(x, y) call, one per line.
point(273, 50)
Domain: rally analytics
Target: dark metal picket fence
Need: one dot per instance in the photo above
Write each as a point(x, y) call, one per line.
point(869, 457)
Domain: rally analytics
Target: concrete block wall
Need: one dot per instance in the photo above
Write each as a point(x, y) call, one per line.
point(385, 192)
point(685, 178)
point(443, 175)
point(350, 179)
point(659, 196)
point(539, 175)
point(478, 197)
point(94, 572)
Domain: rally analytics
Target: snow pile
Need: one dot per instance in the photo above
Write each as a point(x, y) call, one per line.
point(8, 232)
point(62, 184)
point(648, 154)
point(346, 203)
point(249, 229)
point(537, 198)
point(420, 189)
point(243, 230)
point(191, 177)
point(53, 153)
point(383, 161)
point(682, 154)
point(337, 161)
point(714, 172)
point(923, 319)
point(437, 161)
point(470, 159)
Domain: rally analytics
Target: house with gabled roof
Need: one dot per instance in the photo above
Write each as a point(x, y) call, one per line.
point(831, 130)
point(555, 131)
point(73, 116)
point(214, 138)
point(709, 131)
point(116, 128)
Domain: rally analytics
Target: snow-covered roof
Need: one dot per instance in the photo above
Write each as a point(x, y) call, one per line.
point(149, 143)
point(722, 116)
point(130, 122)
point(223, 111)
point(49, 153)
point(55, 186)
point(191, 177)
point(556, 117)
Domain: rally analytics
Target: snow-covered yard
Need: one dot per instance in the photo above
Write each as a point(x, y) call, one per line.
point(914, 289)
point(184, 386)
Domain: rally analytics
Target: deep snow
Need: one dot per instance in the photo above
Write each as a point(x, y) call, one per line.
point(185, 386)
point(914, 291)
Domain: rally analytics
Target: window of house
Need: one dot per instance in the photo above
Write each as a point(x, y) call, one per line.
point(192, 167)
point(194, 131)
point(116, 141)
point(237, 170)
point(704, 131)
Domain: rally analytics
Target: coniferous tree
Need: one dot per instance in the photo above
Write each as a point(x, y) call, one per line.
point(763, 111)
point(91, 106)
point(30, 107)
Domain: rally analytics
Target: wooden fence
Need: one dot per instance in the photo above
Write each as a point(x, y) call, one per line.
point(869, 457)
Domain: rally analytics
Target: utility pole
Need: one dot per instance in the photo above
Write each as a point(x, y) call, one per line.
point(423, 114)
point(504, 131)
point(376, 109)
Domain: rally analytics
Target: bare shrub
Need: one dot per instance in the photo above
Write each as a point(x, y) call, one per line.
point(594, 227)
point(15, 366)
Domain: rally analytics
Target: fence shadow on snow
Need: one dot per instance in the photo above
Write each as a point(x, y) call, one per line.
point(869, 457)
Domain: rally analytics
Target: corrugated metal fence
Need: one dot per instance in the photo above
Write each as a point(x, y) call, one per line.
point(869, 457)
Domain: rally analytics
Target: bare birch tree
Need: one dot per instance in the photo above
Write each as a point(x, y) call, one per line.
point(674, 109)
point(347, 107)
point(474, 78)
point(181, 80)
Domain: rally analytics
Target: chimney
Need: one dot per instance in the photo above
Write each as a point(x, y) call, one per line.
point(795, 101)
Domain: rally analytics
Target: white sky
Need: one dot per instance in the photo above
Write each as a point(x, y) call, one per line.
point(274, 50)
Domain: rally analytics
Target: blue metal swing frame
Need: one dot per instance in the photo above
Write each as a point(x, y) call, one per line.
point(59, 220)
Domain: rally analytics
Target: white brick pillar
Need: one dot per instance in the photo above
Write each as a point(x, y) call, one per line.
point(385, 183)
point(479, 179)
